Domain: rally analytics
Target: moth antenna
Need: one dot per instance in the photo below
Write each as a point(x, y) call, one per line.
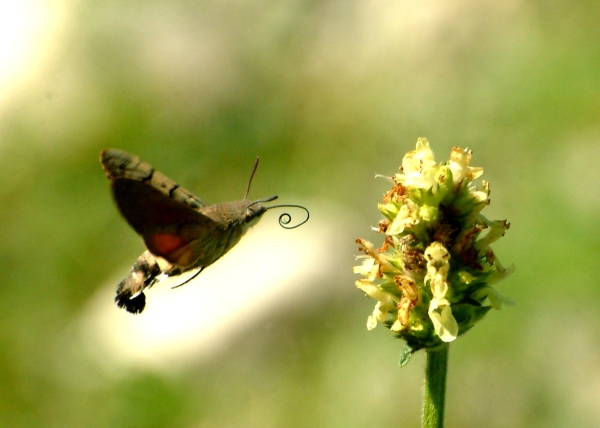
point(189, 279)
point(251, 177)
point(286, 218)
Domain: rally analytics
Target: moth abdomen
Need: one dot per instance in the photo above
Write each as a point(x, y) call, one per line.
point(143, 275)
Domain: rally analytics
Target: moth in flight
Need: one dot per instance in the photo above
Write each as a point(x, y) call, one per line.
point(181, 231)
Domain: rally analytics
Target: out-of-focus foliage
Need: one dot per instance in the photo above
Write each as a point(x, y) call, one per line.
point(328, 94)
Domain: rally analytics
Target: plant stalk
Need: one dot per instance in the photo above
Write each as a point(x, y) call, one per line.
point(434, 392)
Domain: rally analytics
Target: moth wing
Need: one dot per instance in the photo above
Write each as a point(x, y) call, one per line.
point(157, 208)
point(168, 227)
point(118, 164)
point(182, 245)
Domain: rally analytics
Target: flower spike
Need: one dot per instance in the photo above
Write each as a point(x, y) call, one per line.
point(432, 277)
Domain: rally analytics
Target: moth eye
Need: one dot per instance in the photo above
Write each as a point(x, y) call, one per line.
point(254, 212)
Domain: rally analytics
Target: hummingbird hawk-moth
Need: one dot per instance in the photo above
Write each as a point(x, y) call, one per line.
point(180, 230)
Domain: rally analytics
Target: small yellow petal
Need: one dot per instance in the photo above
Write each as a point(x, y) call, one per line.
point(444, 323)
point(371, 322)
point(397, 326)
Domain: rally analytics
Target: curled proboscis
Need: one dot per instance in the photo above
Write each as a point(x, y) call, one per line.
point(285, 219)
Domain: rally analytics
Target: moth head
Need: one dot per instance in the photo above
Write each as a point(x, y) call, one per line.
point(255, 211)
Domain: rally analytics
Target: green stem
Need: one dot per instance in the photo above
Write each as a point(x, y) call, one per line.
point(434, 393)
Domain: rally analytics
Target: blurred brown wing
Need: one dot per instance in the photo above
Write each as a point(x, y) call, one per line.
point(118, 164)
point(157, 208)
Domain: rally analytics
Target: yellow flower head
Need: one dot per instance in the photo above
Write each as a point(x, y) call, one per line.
point(432, 277)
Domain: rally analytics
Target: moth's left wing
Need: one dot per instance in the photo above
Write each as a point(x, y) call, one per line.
point(118, 164)
point(164, 213)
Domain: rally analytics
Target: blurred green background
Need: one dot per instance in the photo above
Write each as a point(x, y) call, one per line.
point(328, 93)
